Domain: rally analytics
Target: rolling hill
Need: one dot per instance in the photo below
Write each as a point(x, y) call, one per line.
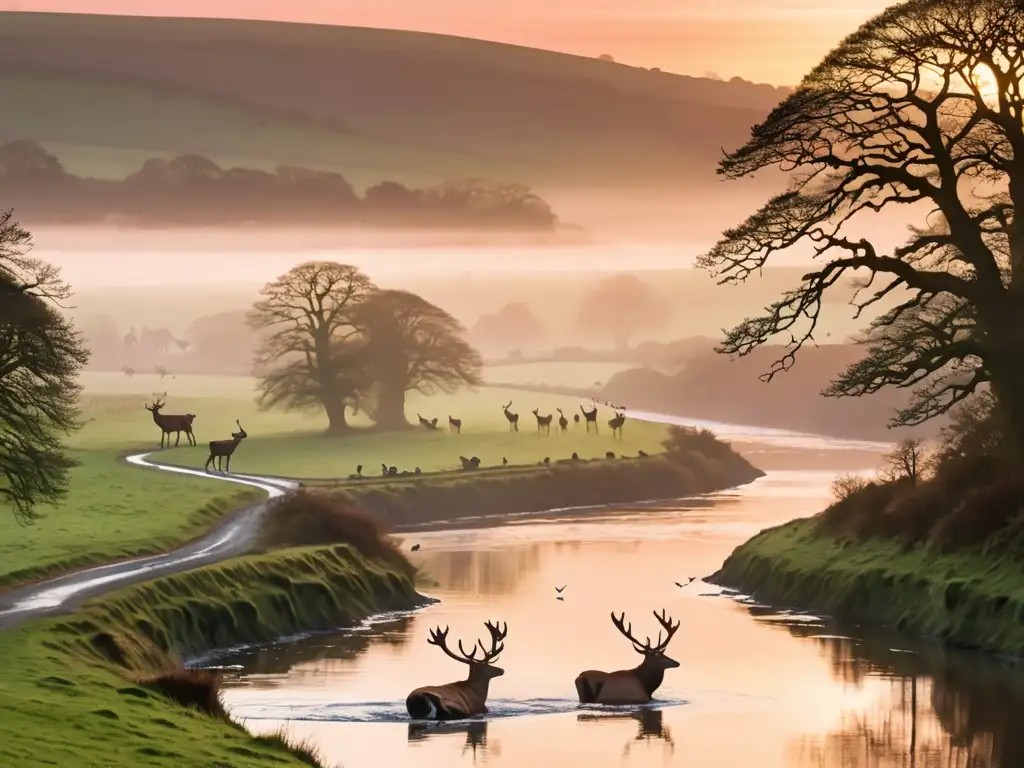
point(106, 92)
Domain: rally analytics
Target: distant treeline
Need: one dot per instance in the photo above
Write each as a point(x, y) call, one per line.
point(191, 190)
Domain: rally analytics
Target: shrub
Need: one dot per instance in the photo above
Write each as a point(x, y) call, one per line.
point(305, 519)
point(844, 486)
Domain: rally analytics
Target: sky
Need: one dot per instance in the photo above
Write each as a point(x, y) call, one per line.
point(766, 41)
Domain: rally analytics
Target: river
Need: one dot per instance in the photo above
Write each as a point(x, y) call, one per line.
point(756, 687)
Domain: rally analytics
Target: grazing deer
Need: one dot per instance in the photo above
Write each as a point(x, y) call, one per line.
point(513, 418)
point(591, 417)
point(464, 698)
point(169, 423)
point(563, 423)
point(630, 686)
point(431, 424)
point(543, 422)
point(222, 449)
point(616, 424)
point(455, 425)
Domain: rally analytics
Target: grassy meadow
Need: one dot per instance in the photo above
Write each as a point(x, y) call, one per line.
point(116, 510)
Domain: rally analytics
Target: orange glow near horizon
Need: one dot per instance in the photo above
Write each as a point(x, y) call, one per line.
point(773, 41)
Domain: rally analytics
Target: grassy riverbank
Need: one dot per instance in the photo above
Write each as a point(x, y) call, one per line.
point(411, 501)
point(970, 597)
point(73, 691)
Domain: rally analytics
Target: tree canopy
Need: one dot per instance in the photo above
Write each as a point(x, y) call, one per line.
point(41, 355)
point(412, 345)
point(620, 306)
point(310, 354)
point(921, 110)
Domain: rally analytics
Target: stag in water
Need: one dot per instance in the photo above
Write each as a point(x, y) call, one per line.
point(543, 422)
point(513, 418)
point(169, 423)
point(455, 425)
point(223, 449)
point(591, 417)
point(616, 424)
point(464, 698)
point(630, 686)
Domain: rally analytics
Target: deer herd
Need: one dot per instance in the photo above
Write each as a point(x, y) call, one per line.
point(220, 450)
point(543, 421)
point(468, 698)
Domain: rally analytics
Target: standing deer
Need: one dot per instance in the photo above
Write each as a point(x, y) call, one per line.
point(563, 423)
point(431, 424)
point(543, 422)
point(455, 425)
point(169, 423)
point(465, 698)
point(630, 686)
point(616, 424)
point(591, 417)
point(221, 449)
point(513, 418)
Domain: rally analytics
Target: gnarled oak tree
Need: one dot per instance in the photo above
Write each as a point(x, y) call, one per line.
point(921, 109)
point(412, 345)
point(311, 351)
point(41, 355)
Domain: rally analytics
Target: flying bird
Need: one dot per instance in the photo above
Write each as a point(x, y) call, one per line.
point(688, 583)
point(559, 589)
point(560, 598)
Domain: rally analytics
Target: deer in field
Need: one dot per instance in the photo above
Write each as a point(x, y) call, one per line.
point(464, 698)
point(591, 417)
point(563, 423)
point(223, 449)
point(169, 423)
point(455, 425)
point(513, 418)
point(616, 424)
point(431, 424)
point(630, 686)
point(543, 422)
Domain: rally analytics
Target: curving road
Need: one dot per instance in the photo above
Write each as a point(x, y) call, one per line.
point(234, 535)
point(231, 537)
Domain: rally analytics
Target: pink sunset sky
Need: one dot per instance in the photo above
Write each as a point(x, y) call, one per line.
point(773, 41)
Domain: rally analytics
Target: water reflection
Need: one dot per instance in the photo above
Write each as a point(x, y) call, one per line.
point(650, 726)
point(488, 572)
point(475, 733)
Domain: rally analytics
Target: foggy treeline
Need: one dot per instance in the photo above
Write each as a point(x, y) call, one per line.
point(190, 190)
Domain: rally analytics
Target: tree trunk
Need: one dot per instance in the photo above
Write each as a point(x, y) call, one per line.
point(391, 408)
point(336, 421)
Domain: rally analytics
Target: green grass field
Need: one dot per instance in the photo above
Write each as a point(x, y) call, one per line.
point(115, 510)
point(64, 701)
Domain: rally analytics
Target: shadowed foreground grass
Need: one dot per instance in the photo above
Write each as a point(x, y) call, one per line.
point(967, 597)
point(82, 690)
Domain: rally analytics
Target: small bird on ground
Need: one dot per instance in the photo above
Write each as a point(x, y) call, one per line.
point(559, 589)
point(415, 548)
point(688, 583)
point(359, 469)
point(504, 461)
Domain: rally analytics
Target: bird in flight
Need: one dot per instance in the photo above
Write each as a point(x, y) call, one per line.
point(559, 589)
point(688, 583)
point(560, 598)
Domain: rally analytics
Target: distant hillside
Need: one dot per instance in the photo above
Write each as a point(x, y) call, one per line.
point(716, 388)
point(105, 92)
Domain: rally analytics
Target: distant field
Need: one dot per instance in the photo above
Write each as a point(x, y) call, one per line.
point(293, 445)
point(556, 374)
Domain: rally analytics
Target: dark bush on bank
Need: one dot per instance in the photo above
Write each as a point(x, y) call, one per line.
point(974, 496)
point(307, 518)
point(197, 689)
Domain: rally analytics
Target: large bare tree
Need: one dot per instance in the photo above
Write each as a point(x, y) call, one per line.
point(412, 345)
point(311, 353)
point(41, 355)
point(920, 111)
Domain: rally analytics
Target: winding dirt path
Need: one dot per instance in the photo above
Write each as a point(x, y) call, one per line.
point(231, 537)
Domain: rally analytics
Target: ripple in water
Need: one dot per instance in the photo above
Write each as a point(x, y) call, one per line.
point(395, 712)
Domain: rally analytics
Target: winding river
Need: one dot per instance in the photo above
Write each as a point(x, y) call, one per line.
point(757, 687)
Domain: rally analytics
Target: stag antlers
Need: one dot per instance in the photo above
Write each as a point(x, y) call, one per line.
point(439, 637)
point(647, 648)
